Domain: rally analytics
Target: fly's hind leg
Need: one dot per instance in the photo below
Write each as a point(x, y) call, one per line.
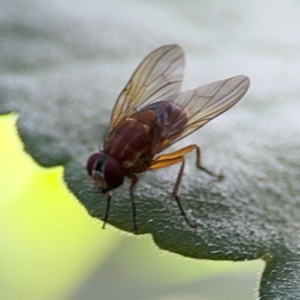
point(164, 163)
point(199, 166)
point(185, 151)
point(134, 181)
point(175, 157)
point(175, 193)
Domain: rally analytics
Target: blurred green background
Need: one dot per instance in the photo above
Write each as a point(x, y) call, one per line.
point(51, 249)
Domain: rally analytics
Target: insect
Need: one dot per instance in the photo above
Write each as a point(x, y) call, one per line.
point(150, 115)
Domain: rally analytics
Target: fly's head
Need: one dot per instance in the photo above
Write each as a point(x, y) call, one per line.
point(106, 172)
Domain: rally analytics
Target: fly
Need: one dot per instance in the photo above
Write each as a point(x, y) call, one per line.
point(150, 115)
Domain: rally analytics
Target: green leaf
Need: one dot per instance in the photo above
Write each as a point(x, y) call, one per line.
point(281, 278)
point(62, 67)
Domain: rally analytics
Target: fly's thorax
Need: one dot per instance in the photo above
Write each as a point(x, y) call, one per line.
point(130, 142)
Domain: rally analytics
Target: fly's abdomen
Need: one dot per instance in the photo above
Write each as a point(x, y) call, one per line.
point(170, 121)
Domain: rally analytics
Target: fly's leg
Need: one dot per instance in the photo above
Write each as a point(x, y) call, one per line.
point(184, 151)
point(134, 181)
point(164, 163)
point(199, 166)
point(175, 194)
point(175, 157)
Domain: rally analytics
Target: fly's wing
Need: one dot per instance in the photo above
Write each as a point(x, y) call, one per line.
point(158, 77)
point(206, 102)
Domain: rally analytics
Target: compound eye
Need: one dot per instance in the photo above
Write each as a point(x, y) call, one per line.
point(113, 173)
point(91, 163)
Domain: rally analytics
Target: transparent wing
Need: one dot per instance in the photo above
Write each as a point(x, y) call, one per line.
point(158, 77)
point(208, 101)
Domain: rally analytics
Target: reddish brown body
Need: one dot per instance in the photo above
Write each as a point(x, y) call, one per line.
point(136, 140)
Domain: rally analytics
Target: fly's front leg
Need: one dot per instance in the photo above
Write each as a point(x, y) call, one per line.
point(134, 181)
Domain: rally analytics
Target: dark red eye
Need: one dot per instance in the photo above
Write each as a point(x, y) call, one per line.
point(113, 173)
point(91, 162)
point(108, 168)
